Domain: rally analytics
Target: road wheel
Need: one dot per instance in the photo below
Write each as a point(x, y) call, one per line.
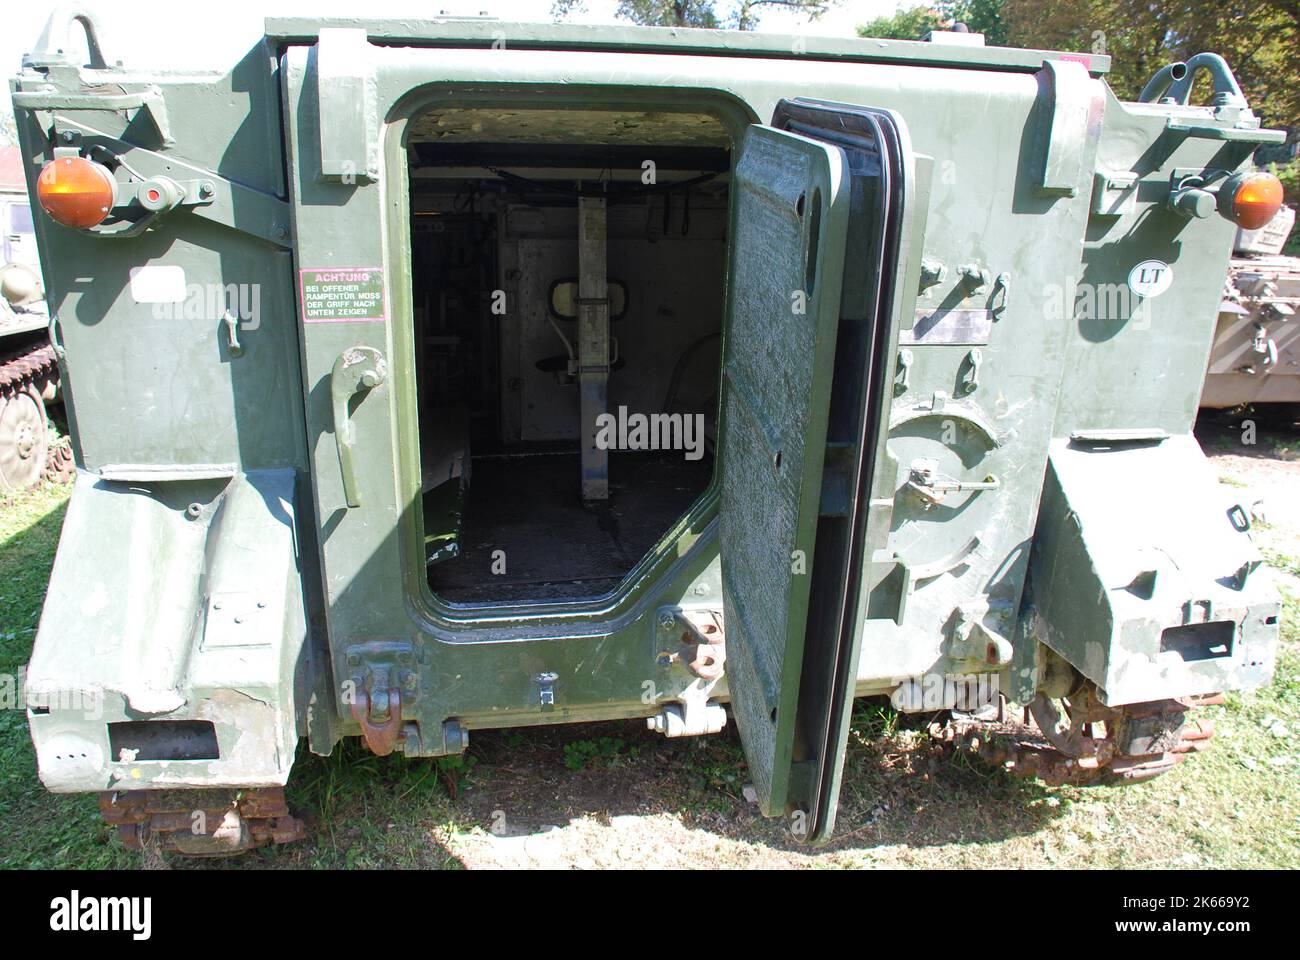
point(24, 439)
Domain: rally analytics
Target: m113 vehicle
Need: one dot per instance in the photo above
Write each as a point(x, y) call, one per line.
point(1256, 353)
point(431, 377)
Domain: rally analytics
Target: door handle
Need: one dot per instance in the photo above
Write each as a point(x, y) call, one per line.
point(358, 370)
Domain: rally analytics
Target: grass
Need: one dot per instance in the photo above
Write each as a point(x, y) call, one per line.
point(41, 829)
point(624, 796)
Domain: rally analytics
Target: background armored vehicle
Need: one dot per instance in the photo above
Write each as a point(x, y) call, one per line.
point(1256, 355)
point(29, 376)
point(517, 374)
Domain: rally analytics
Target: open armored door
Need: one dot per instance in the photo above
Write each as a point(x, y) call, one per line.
point(816, 286)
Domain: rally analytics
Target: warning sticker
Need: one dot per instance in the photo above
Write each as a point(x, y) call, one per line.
point(342, 295)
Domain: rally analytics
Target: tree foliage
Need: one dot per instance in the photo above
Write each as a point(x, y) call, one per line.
point(737, 14)
point(913, 23)
point(1260, 39)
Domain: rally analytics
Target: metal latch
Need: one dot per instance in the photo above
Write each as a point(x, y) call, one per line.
point(546, 689)
point(931, 486)
point(1265, 345)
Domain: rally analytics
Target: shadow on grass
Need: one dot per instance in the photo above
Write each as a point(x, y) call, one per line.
point(1273, 427)
point(900, 787)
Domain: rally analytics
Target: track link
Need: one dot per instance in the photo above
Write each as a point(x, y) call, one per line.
point(201, 823)
point(28, 366)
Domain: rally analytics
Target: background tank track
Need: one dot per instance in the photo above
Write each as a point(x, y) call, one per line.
point(33, 367)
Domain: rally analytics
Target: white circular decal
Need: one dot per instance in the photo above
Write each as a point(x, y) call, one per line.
point(1150, 278)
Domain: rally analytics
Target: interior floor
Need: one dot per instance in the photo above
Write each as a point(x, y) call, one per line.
point(551, 544)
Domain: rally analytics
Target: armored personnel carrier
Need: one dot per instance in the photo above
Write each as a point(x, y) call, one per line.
point(1256, 355)
point(514, 374)
point(29, 375)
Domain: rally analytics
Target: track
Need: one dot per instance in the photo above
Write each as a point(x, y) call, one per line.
point(199, 823)
point(28, 365)
point(1085, 743)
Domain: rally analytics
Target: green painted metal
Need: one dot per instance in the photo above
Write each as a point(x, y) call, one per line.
point(215, 631)
point(470, 33)
point(791, 215)
point(1031, 196)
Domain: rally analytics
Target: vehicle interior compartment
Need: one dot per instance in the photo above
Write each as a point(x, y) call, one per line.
point(568, 273)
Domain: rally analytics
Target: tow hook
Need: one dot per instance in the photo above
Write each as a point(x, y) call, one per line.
point(380, 720)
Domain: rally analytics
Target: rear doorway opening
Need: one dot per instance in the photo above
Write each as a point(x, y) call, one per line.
point(568, 277)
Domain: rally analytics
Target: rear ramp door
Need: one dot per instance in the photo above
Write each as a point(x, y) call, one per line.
point(817, 240)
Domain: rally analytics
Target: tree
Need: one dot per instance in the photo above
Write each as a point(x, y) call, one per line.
point(739, 15)
point(8, 130)
point(913, 23)
point(984, 16)
point(1258, 38)
point(747, 13)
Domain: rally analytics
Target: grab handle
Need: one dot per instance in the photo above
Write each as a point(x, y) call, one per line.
point(358, 370)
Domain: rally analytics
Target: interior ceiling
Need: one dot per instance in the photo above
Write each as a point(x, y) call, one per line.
point(601, 127)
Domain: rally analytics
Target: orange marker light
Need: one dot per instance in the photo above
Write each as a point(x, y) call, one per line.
point(1255, 200)
point(75, 191)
